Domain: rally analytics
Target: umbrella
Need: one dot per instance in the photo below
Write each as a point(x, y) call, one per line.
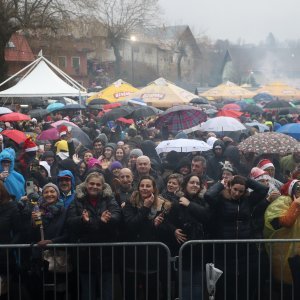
point(252, 109)
point(199, 100)
point(292, 130)
point(116, 113)
point(182, 145)
point(144, 112)
point(98, 101)
point(14, 117)
point(63, 122)
point(220, 124)
point(269, 143)
point(126, 121)
point(181, 117)
point(278, 104)
point(55, 107)
point(261, 127)
point(231, 106)
point(38, 113)
point(15, 135)
point(137, 101)
point(229, 113)
point(73, 107)
point(53, 134)
point(5, 110)
point(212, 276)
point(263, 97)
point(210, 111)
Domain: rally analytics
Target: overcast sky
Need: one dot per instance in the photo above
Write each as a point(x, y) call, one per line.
point(250, 20)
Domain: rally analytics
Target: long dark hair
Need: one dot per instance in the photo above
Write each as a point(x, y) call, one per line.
point(237, 179)
point(186, 179)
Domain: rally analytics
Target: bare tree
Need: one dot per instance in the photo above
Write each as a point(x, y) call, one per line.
point(121, 18)
point(18, 15)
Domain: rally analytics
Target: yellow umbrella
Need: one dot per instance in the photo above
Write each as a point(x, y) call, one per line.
point(163, 94)
point(117, 91)
point(227, 90)
point(280, 90)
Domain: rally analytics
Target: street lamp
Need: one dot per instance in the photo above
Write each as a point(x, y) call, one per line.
point(132, 39)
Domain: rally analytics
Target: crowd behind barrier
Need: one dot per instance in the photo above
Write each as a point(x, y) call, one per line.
point(109, 218)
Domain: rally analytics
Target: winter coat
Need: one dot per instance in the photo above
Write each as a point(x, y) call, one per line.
point(15, 182)
point(232, 219)
point(95, 231)
point(214, 166)
point(9, 230)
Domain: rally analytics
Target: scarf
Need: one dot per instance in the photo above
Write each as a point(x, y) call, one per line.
point(49, 212)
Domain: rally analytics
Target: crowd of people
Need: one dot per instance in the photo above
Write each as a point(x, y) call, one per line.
point(119, 190)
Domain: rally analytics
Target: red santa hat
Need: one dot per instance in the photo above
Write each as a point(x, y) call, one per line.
point(264, 164)
point(29, 145)
point(287, 188)
point(63, 130)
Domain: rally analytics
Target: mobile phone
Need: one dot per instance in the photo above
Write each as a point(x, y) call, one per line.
point(42, 147)
point(29, 187)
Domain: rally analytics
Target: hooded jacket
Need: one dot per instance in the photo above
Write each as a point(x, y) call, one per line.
point(214, 166)
point(15, 182)
point(94, 231)
point(67, 199)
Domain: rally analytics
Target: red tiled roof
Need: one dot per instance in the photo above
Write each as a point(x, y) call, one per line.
point(21, 52)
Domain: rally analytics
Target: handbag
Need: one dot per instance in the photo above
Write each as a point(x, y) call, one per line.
point(58, 261)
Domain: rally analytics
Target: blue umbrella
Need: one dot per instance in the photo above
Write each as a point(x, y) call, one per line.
point(292, 130)
point(55, 106)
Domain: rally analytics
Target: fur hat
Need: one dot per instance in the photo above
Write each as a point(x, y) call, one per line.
point(29, 145)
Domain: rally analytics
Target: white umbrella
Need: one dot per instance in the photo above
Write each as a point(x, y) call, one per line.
point(261, 127)
point(5, 110)
point(182, 145)
point(220, 124)
point(192, 129)
point(212, 276)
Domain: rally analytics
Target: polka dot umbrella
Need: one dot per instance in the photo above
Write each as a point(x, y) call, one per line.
point(269, 143)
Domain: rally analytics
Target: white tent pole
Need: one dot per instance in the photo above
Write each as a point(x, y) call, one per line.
point(13, 76)
point(70, 79)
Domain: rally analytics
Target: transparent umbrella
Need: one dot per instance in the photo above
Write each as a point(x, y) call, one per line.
point(212, 276)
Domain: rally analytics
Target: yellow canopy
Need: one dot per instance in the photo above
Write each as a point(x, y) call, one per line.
point(115, 92)
point(227, 90)
point(163, 94)
point(280, 90)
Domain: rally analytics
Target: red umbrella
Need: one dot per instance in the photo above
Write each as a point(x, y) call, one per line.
point(231, 106)
point(229, 113)
point(14, 117)
point(126, 121)
point(15, 135)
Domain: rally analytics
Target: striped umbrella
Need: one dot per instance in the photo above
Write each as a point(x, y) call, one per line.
point(181, 117)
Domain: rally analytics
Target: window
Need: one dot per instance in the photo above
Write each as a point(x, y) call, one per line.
point(148, 50)
point(62, 62)
point(76, 62)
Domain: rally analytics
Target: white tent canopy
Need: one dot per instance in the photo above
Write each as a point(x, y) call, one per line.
point(41, 81)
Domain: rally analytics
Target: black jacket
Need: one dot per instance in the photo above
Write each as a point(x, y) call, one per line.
point(232, 219)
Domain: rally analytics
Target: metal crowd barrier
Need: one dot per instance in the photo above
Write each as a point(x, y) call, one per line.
point(252, 269)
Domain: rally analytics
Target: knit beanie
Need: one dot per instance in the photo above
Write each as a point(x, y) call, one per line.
point(115, 165)
point(93, 162)
point(50, 184)
point(136, 152)
point(110, 145)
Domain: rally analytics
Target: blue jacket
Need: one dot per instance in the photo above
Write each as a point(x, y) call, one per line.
point(15, 182)
point(67, 199)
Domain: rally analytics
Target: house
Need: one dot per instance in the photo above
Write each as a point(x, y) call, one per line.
point(18, 53)
point(66, 52)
